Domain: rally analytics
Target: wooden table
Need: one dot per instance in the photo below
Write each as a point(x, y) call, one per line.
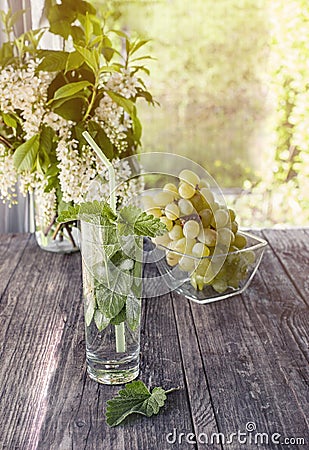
point(241, 363)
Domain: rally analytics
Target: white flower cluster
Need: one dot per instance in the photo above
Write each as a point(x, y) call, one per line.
point(45, 207)
point(77, 169)
point(22, 90)
point(109, 114)
point(8, 176)
point(123, 83)
point(126, 188)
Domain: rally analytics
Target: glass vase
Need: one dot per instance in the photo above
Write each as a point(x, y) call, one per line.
point(51, 236)
point(112, 289)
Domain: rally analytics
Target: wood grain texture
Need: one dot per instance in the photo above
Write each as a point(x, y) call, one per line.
point(293, 253)
point(11, 250)
point(256, 368)
point(239, 360)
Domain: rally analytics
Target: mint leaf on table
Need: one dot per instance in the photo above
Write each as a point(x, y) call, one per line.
point(132, 220)
point(135, 398)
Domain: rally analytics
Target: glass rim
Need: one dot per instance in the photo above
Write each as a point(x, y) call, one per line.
point(261, 243)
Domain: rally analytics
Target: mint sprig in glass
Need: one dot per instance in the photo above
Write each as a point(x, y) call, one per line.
point(112, 256)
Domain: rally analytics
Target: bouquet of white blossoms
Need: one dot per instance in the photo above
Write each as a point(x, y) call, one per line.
point(48, 98)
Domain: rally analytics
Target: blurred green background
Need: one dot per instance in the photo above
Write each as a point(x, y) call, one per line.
point(231, 77)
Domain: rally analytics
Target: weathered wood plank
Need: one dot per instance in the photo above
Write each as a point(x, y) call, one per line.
point(11, 249)
point(239, 360)
point(33, 322)
point(76, 405)
point(292, 248)
point(254, 365)
point(196, 380)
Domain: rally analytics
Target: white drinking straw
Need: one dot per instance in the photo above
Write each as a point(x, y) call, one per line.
point(119, 329)
point(110, 168)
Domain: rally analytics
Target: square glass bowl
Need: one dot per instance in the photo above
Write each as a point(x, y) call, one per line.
point(234, 272)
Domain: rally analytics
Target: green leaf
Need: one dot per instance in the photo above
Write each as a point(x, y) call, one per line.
point(89, 212)
point(53, 60)
point(72, 213)
point(101, 137)
point(138, 45)
point(109, 302)
point(25, 155)
point(89, 313)
point(100, 320)
point(9, 120)
point(133, 311)
point(134, 398)
point(91, 57)
point(74, 61)
point(125, 103)
point(137, 127)
point(121, 317)
point(132, 220)
point(72, 109)
point(70, 89)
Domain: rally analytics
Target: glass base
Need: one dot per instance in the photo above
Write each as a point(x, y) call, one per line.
point(110, 376)
point(57, 245)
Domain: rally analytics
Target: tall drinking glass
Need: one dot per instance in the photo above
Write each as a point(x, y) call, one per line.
point(112, 290)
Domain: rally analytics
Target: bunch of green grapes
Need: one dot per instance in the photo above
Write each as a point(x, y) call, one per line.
point(196, 226)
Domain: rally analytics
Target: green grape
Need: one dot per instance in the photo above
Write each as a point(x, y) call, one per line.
point(208, 196)
point(191, 229)
point(186, 263)
point(205, 216)
point(148, 202)
point(176, 233)
point(184, 245)
point(249, 256)
point(200, 250)
point(234, 227)
point(215, 206)
point(172, 211)
point(162, 240)
point(240, 241)
point(186, 190)
point(209, 275)
point(163, 198)
point(198, 201)
point(225, 236)
point(185, 206)
point(156, 211)
point(220, 218)
point(208, 237)
point(180, 245)
point(219, 285)
point(233, 283)
point(203, 183)
point(232, 214)
point(202, 266)
point(172, 258)
point(170, 187)
point(189, 177)
point(167, 222)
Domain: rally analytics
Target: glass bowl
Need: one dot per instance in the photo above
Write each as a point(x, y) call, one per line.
point(230, 273)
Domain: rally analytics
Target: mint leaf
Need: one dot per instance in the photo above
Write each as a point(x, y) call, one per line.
point(100, 320)
point(133, 311)
point(109, 302)
point(72, 213)
point(132, 220)
point(89, 212)
point(121, 317)
point(134, 398)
